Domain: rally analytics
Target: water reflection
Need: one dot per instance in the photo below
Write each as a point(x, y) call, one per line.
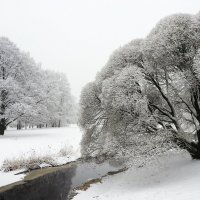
point(53, 186)
point(57, 184)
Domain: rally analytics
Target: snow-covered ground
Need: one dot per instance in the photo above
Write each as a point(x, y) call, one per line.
point(52, 142)
point(174, 177)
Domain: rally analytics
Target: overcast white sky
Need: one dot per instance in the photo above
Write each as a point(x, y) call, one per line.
point(77, 36)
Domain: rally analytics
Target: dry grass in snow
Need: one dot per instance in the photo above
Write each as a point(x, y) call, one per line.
point(35, 148)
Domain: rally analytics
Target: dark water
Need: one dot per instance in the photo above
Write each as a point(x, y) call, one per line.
point(56, 185)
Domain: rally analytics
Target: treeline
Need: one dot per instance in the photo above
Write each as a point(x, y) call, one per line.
point(146, 99)
point(29, 95)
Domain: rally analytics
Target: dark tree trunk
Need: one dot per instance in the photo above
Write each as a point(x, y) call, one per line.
point(2, 127)
point(2, 131)
point(193, 148)
point(19, 125)
point(196, 154)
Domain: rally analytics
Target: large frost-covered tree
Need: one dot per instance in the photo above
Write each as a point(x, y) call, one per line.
point(28, 94)
point(17, 89)
point(114, 108)
point(147, 83)
point(168, 59)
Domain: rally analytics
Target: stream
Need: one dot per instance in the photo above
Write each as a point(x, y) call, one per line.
point(55, 183)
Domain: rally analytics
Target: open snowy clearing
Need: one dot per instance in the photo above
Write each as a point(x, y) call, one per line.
point(62, 144)
point(174, 177)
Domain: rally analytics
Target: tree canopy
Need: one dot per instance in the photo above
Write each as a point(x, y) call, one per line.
point(146, 98)
point(29, 95)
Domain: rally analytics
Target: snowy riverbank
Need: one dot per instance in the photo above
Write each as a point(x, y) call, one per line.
point(62, 144)
point(174, 177)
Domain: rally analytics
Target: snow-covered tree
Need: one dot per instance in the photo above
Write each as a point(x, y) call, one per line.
point(55, 104)
point(29, 95)
point(17, 87)
point(169, 53)
point(59, 101)
point(114, 108)
point(144, 84)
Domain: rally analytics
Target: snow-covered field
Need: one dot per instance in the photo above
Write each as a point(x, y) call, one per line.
point(171, 177)
point(174, 177)
point(52, 142)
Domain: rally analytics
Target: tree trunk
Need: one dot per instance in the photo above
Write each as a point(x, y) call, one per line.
point(196, 154)
point(19, 125)
point(193, 148)
point(2, 129)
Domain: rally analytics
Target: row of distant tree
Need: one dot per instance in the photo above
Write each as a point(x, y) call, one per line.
point(147, 84)
point(29, 95)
